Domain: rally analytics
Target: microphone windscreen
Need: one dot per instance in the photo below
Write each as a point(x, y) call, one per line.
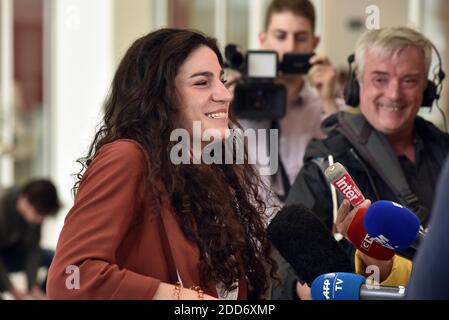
point(363, 242)
point(306, 244)
point(392, 225)
point(337, 286)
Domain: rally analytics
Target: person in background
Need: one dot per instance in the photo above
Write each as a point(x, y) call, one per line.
point(22, 212)
point(290, 28)
point(429, 279)
point(392, 66)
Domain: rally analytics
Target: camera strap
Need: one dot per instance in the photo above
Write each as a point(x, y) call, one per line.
point(377, 152)
point(285, 183)
point(284, 177)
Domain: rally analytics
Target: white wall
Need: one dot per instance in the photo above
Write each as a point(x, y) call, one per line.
point(6, 92)
point(85, 41)
point(333, 19)
point(434, 24)
point(131, 20)
point(80, 48)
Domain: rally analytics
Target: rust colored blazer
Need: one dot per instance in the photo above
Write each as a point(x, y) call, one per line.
point(122, 243)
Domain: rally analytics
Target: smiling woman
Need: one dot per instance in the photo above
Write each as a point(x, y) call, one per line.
point(143, 227)
point(201, 92)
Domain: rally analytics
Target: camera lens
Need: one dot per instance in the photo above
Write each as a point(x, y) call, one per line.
point(258, 101)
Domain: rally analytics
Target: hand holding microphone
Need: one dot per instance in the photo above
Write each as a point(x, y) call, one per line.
point(356, 233)
point(390, 224)
point(370, 252)
point(340, 179)
point(345, 216)
point(351, 223)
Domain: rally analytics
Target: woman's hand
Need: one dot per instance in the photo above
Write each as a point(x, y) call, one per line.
point(323, 76)
point(167, 291)
point(303, 291)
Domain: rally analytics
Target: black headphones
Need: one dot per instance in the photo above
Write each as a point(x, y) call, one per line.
point(351, 91)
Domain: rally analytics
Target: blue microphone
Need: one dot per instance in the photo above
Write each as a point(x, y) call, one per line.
point(393, 225)
point(350, 286)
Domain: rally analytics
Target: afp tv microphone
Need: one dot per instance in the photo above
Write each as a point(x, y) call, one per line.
point(393, 225)
point(350, 286)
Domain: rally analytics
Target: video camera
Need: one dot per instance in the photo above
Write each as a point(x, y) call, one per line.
point(256, 95)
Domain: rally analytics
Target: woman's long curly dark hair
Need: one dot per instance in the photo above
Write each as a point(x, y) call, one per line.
point(218, 206)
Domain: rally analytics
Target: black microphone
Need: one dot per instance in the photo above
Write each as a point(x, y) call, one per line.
point(306, 244)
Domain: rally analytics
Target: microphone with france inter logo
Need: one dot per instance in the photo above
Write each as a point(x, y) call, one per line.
point(340, 179)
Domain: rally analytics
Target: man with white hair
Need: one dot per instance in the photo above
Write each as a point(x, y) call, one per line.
point(386, 140)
